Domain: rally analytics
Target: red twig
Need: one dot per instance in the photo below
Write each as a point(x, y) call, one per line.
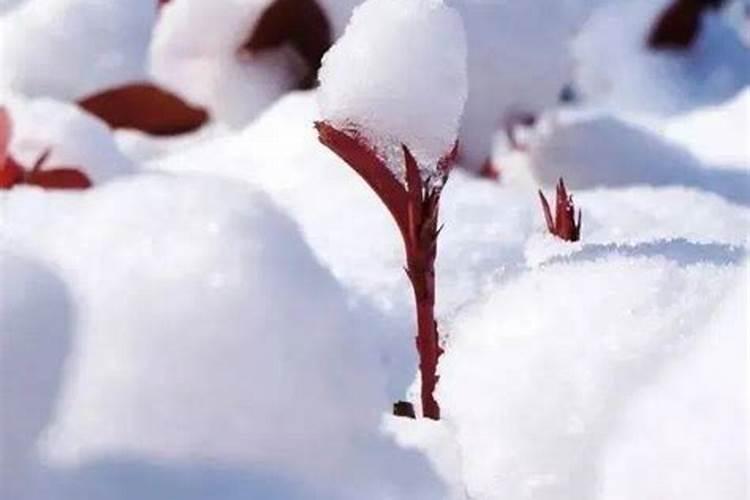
point(564, 224)
point(13, 173)
point(414, 207)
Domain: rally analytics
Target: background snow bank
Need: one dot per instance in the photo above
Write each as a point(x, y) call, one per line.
point(714, 69)
point(213, 336)
point(518, 62)
point(208, 70)
point(70, 48)
point(534, 396)
point(35, 336)
point(75, 138)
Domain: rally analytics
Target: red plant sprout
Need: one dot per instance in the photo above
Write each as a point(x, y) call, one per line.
point(13, 173)
point(564, 224)
point(489, 171)
point(414, 207)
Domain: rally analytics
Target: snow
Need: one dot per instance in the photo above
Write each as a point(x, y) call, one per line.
point(36, 324)
point(532, 396)
point(225, 314)
point(261, 366)
point(392, 78)
point(608, 150)
point(207, 70)
point(74, 138)
point(518, 62)
point(663, 82)
point(687, 451)
point(716, 134)
point(68, 49)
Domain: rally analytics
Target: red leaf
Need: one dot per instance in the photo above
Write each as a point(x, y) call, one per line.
point(59, 178)
point(145, 107)
point(679, 25)
point(11, 173)
point(354, 150)
point(5, 133)
point(415, 210)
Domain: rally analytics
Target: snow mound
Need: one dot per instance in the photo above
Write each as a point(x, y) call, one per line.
point(685, 436)
point(213, 337)
point(537, 373)
point(101, 43)
point(518, 63)
point(35, 335)
point(696, 132)
point(398, 76)
point(205, 66)
point(664, 82)
point(605, 150)
point(74, 138)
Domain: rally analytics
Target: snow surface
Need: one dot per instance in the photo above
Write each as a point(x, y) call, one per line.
point(208, 70)
point(36, 323)
point(225, 314)
point(73, 137)
point(533, 396)
point(382, 76)
point(253, 368)
point(518, 62)
point(662, 82)
point(68, 49)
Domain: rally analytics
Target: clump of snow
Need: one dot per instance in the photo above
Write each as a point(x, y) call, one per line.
point(75, 138)
point(213, 336)
point(70, 48)
point(518, 62)
point(196, 52)
point(35, 335)
point(537, 373)
point(715, 68)
point(398, 76)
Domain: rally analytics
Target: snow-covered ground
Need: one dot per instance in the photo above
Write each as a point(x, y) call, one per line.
point(225, 315)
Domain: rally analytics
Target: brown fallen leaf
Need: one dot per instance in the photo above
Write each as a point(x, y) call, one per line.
point(145, 107)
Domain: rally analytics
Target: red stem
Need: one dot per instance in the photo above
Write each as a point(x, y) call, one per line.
point(414, 208)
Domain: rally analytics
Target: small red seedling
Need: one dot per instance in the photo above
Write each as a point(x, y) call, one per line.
point(414, 207)
point(564, 224)
point(13, 173)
